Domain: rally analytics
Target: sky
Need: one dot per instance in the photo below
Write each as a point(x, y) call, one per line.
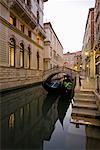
point(68, 19)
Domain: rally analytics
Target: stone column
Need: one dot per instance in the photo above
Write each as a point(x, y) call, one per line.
point(77, 88)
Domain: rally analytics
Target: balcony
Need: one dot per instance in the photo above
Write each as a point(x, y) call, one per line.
point(41, 31)
point(23, 11)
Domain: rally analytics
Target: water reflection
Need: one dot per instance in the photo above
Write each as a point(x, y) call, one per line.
point(48, 102)
point(30, 118)
point(63, 105)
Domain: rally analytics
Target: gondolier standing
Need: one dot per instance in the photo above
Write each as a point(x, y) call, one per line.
point(67, 86)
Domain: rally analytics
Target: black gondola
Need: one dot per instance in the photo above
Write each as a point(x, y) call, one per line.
point(56, 86)
point(51, 85)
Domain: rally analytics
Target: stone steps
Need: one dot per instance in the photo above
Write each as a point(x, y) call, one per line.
point(81, 100)
point(84, 105)
point(83, 112)
point(84, 109)
point(83, 95)
point(86, 91)
point(85, 121)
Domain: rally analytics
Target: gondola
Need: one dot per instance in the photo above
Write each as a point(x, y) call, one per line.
point(55, 86)
point(51, 85)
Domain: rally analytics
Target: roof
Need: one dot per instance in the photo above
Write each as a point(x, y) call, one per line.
point(48, 23)
point(45, 0)
point(68, 53)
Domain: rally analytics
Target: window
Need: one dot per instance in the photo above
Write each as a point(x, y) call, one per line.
point(29, 57)
point(28, 2)
point(38, 39)
point(38, 1)
point(22, 27)
point(37, 60)
point(50, 66)
point(21, 55)
point(38, 17)
point(50, 51)
point(13, 20)
point(54, 55)
point(12, 52)
point(29, 33)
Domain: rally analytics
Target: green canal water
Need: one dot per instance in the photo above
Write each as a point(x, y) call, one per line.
point(30, 118)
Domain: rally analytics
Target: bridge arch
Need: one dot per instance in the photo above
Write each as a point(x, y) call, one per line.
point(57, 70)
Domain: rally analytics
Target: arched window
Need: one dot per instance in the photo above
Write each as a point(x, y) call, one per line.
point(11, 121)
point(21, 55)
point(37, 60)
point(12, 52)
point(29, 57)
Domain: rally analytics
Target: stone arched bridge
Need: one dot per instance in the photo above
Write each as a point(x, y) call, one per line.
point(58, 70)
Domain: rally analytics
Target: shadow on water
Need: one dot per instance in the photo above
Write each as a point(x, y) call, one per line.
point(62, 107)
point(48, 102)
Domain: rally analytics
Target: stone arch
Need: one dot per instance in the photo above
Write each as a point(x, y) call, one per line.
point(12, 36)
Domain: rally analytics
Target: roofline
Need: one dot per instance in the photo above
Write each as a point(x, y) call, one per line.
point(48, 23)
point(68, 53)
point(90, 10)
point(45, 0)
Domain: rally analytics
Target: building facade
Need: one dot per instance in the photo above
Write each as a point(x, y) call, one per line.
point(78, 61)
point(97, 45)
point(69, 60)
point(21, 42)
point(73, 60)
point(91, 50)
point(53, 54)
point(88, 64)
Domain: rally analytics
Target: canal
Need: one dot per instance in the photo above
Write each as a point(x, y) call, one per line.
point(30, 118)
